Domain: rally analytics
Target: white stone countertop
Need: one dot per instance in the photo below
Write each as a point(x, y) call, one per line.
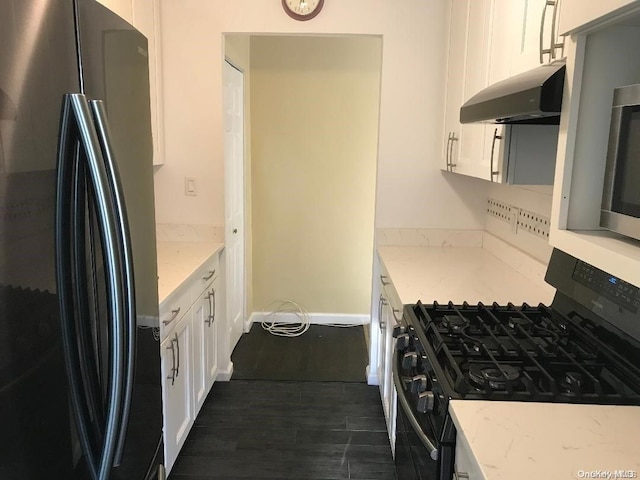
point(177, 261)
point(458, 274)
point(549, 441)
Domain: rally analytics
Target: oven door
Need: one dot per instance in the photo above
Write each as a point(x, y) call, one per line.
point(421, 452)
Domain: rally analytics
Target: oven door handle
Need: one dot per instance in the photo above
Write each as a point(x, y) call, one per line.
point(429, 444)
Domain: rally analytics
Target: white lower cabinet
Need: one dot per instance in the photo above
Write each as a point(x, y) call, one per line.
point(389, 312)
point(205, 362)
point(178, 412)
point(190, 319)
point(465, 467)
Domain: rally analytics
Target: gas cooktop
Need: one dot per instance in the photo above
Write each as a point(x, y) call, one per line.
point(520, 353)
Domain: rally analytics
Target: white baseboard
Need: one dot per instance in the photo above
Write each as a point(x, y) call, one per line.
point(314, 319)
point(224, 374)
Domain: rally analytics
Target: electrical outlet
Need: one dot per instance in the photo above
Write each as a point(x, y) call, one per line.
point(501, 210)
point(534, 223)
point(190, 186)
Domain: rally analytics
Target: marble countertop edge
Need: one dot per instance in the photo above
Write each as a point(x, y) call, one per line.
point(178, 262)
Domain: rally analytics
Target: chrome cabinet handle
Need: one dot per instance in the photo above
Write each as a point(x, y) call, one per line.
point(382, 303)
point(453, 139)
point(544, 51)
point(177, 340)
point(493, 147)
point(213, 305)
point(172, 377)
point(554, 31)
point(173, 316)
point(394, 311)
point(383, 280)
point(459, 475)
point(211, 298)
point(211, 274)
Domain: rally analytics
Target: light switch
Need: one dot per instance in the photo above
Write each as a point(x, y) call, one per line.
point(190, 187)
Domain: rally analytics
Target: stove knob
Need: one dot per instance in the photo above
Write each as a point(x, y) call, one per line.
point(418, 384)
point(409, 360)
point(399, 330)
point(403, 341)
point(426, 402)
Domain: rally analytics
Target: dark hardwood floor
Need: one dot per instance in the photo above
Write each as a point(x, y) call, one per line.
point(284, 429)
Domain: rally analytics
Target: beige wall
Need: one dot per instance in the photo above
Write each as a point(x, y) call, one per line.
point(314, 120)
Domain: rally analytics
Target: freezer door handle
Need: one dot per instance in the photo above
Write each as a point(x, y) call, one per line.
point(79, 145)
point(127, 286)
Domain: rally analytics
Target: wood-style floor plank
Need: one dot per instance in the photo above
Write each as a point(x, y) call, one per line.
point(289, 429)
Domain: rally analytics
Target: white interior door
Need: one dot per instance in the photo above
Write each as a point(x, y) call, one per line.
point(234, 198)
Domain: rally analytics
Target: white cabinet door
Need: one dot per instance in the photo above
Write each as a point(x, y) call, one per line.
point(578, 13)
point(177, 389)
point(454, 98)
point(205, 363)
point(465, 468)
point(527, 46)
point(200, 334)
point(475, 79)
point(382, 345)
point(389, 398)
point(503, 33)
point(211, 352)
point(493, 163)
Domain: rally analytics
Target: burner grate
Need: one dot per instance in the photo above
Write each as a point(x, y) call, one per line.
point(475, 350)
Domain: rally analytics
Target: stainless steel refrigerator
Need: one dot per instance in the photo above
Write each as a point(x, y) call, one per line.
point(80, 390)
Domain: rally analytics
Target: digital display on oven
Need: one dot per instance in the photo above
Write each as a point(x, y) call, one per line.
point(612, 288)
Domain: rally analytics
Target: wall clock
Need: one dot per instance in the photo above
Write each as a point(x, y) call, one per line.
point(302, 9)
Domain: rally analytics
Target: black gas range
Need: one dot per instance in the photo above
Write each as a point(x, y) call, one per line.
point(583, 348)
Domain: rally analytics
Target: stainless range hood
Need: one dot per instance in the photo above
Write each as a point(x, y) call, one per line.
point(533, 97)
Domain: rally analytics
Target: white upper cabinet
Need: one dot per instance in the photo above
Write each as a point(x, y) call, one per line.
point(454, 82)
point(476, 71)
point(490, 41)
point(582, 14)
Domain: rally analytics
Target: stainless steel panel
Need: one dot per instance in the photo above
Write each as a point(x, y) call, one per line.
point(37, 66)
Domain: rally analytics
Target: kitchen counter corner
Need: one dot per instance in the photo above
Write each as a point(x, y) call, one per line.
point(528, 440)
point(177, 261)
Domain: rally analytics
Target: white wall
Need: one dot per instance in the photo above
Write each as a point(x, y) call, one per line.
point(412, 192)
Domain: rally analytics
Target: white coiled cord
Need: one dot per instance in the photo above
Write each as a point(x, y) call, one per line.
point(285, 329)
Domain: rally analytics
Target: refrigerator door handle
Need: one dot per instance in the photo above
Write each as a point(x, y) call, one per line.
point(77, 116)
point(128, 284)
point(66, 178)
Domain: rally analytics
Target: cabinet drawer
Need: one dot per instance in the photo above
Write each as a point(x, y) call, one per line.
point(173, 310)
point(205, 276)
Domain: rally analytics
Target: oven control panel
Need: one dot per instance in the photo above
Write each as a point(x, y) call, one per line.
point(612, 288)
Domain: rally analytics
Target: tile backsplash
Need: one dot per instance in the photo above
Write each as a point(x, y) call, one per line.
point(520, 216)
point(172, 232)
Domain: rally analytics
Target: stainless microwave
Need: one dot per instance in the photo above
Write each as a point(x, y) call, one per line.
point(620, 210)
